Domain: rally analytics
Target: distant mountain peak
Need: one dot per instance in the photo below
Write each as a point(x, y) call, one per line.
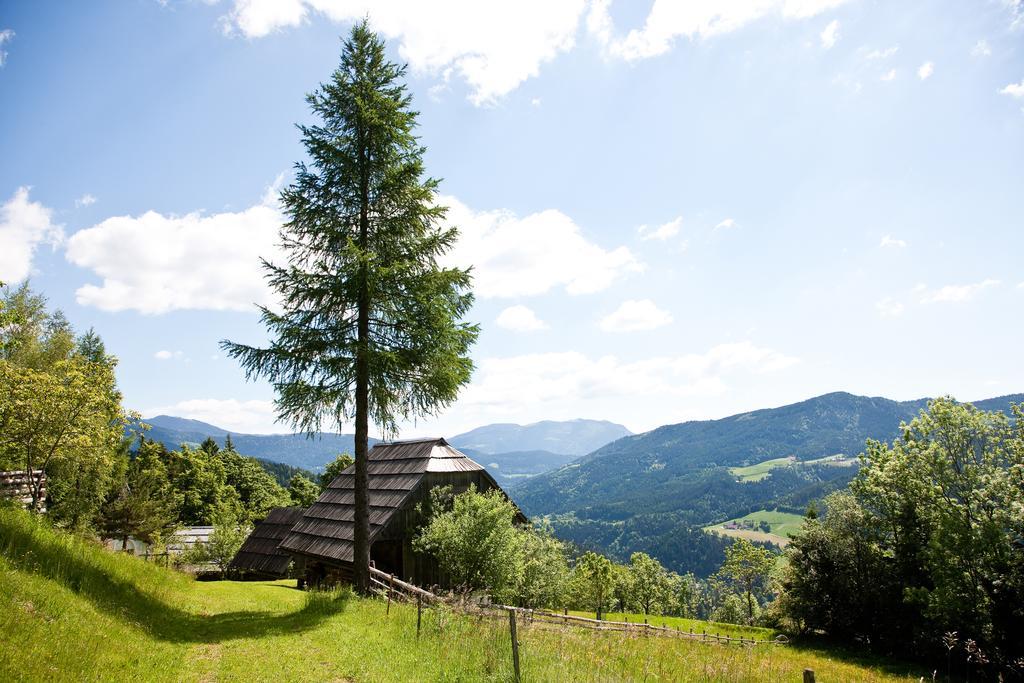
point(565, 437)
point(183, 424)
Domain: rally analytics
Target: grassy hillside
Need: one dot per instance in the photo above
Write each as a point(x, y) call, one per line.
point(760, 470)
point(781, 524)
point(71, 611)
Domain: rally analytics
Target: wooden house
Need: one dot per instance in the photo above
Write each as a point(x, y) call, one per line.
point(259, 555)
point(401, 476)
point(19, 485)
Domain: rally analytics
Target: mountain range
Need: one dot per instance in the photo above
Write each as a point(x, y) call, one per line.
point(605, 488)
point(512, 453)
point(652, 492)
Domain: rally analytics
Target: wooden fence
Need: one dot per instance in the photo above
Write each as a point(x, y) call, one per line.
point(395, 589)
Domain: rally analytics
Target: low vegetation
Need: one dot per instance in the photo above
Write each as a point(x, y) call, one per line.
point(71, 611)
point(764, 526)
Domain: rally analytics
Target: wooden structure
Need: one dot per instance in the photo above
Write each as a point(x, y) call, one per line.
point(20, 484)
point(401, 476)
point(259, 555)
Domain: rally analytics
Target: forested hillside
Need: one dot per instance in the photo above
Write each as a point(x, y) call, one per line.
point(647, 492)
point(290, 449)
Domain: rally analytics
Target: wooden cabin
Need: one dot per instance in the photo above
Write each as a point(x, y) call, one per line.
point(259, 556)
point(19, 485)
point(401, 476)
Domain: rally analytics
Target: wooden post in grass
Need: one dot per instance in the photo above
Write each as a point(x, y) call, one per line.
point(808, 675)
point(515, 642)
point(419, 613)
point(391, 587)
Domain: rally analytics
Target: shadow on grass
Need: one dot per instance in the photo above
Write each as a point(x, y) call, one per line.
point(31, 546)
point(827, 648)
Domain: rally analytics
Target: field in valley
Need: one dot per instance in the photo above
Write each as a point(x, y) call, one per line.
point(72, 611)
point(781, 525)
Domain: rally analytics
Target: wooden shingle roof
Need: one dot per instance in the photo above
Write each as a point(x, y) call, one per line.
point(259, 553)
point(326, 530)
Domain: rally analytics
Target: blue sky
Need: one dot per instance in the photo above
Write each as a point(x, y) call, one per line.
point(675, 210)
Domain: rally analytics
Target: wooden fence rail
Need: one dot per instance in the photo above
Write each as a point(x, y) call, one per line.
point(391, 587)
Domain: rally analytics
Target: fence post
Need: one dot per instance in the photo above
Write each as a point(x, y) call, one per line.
point(419, 613)
point(515, 642)
point(391, 587)
point(808, 675)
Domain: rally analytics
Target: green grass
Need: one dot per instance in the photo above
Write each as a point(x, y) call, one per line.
point(782, 525)
point(696, 625)
point(71, 611)
point(760, 470)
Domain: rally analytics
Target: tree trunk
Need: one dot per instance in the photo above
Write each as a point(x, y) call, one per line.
point(361, 544)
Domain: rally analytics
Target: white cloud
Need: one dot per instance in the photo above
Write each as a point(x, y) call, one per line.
point(532, 383)
point(1016, 8)
point(156, 263)
point(727, 224)
point(830, 35)
point(883, 53)
point(670, 19)
point(925, 70)
point(243, 417)
point(634, 316)
point(5, 37)
point(24, 225)
point(494, 47)
point(1014, 89)
point(890, 241)
point(954, 293)
point(889, 308)
point(167, 355)
point(513, 256)
point(889, 75)
point(85, 200)
point(519, 318)
point(536, 102)
point(981, 49)
point(662, 232)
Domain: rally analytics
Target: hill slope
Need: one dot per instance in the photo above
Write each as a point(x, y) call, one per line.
point(644, 492)
point(71, 611)
point(571, 437)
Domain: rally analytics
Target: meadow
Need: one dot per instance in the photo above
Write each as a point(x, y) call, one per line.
point(70, 610)
point(782, 525)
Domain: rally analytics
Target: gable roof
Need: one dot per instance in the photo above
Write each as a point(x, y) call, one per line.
point(396, 468)
point(259, 553)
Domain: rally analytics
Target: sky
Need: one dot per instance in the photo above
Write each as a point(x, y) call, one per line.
point(674, 210)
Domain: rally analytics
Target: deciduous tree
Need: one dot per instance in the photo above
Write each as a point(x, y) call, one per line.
point(302, 491)
point(476, 542)
point(746, 567)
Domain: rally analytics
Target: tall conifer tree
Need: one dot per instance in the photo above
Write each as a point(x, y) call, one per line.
point(370, 326)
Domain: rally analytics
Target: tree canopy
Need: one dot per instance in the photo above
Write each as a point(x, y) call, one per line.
point(926, 543)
